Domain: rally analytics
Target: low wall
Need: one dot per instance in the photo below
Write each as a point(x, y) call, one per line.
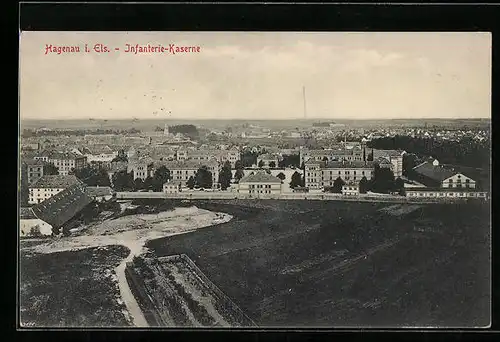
point(146, 304)
point(241, 316)
point(201, 195)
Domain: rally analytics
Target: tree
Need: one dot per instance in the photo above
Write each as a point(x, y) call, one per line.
point(409, 162)
point(399, 186)
point(363, 185)
point(50, 169)
point(138, 184)
point(261, 164)
point(160, 177)
point(296, 181)
point(383, 180)
point(190, 183)
point(203, 178)
point(337, 185)
point(370, 156)
point(149, 184)
point(24, 189)
point(248, 158)
point(102, 178)
point(93, 176)
point(239, 171)
point(238, 175)
point(281, 176)
point(123, 181)
point(35, 231)
point(289, 160)
point(225, 176)
point(272, 164)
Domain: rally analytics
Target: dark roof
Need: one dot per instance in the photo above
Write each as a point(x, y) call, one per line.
point(65, 156)
point(348, 164)
point(188, 164)
point(260, 177)
point(56, 181)
point(32, 162)
point(437, 173)
point(94, 191)
point(26, 214)
point(60, 208)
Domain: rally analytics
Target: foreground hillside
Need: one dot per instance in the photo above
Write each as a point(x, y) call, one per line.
point(346, 264)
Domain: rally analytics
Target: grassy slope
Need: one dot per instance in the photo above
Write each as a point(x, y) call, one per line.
point(71, 289)
point(438, 277)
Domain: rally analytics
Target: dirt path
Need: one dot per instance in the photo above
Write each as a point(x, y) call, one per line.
point(178, 221)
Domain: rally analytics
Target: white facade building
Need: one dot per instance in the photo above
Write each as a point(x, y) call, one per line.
point(260, 184)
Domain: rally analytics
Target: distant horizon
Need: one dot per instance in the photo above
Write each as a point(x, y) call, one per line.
point(257, 119)
point(258, 75)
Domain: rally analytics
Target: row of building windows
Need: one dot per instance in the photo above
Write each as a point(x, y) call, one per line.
point(345, 172)
point(459, 180)
point(260, 186)
point(443, 194)
point(259, 191)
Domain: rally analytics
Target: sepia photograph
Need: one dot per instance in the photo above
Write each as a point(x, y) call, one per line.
point(254, 179)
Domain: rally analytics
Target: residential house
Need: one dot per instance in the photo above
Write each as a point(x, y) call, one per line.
point(260, 184)
point(66, 162)
point(32, 226)
point(172, 187)
point(350, 189)
point(140, 167)
point(43, 156)
point(34, 169)
point(99, 154)
point(48, 186)
point(394, 158)
point(443, 182)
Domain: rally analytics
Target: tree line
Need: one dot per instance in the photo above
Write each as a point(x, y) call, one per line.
point(467, 152)
point(30, 133)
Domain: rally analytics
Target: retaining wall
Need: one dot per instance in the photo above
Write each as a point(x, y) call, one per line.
point(201, 195)
point(221, 296)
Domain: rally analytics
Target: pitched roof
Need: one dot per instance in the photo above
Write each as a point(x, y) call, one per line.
point(56, 181)
point(260, 177)
point(64, 155)
point(26, 214)
point(60, 208)
point(187, 164)
point(387, 153)
point(437, 173)
point(348, 165)
point(94, 191)
point(32, 162)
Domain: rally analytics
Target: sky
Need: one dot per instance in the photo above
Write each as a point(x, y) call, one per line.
point(257, 75)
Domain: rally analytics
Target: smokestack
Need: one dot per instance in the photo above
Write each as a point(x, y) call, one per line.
point(304, 98)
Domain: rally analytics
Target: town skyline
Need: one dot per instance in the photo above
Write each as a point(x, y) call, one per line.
point(348, 76)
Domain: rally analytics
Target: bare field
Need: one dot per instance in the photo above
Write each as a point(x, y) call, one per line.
point(72, 289)
point(302, 263)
